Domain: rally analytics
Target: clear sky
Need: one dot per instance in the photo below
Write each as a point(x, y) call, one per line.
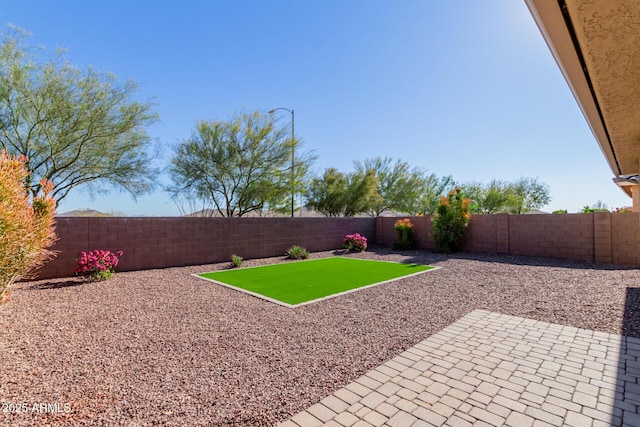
point(459, 87)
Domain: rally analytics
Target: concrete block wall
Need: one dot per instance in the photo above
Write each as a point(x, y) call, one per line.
point(481, 235)
point(625, 238)
point(386, 234)
point(600, 237)
point(568, 236)
point(169, 242)
point(602, 249)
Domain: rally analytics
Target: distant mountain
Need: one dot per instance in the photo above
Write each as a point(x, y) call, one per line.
point(213, 213)
point(304, 212)
point(88, 212)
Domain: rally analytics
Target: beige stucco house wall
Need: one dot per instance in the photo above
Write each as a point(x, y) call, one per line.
point(596, 45)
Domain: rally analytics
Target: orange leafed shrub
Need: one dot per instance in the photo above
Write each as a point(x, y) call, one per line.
point(27, 225)
point(406, 237)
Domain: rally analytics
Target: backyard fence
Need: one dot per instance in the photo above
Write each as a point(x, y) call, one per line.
point(171, 242)
point(600, 237)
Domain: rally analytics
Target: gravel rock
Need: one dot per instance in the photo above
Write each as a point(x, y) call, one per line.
point(161, 347)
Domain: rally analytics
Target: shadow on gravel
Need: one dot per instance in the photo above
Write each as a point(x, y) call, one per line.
point(340, 252)
point(422, 256)
point(631, 320)
point(55, 285)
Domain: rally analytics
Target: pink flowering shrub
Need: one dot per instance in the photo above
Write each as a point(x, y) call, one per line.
point(97, 265)
point(354, 242)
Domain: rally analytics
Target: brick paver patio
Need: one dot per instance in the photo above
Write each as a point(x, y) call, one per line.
point(490, 369)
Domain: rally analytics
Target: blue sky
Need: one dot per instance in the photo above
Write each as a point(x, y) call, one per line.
point(458, 87)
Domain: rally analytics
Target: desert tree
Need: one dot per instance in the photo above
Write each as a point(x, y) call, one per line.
point(403, 188)
point(395, 183)
point(494, 197)
point(238, 166)
point(362, 193)
point(424, 192)
point(327, 194)
point(74, 127)
point(338, 194)
point(517, 197)
point(528, 194)
point(279, 202)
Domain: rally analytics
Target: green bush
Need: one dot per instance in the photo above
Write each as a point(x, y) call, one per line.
point(236, 261)
point(560, 211)
point(450, 222)
point(623, 209)
point(406, 238)
point(297, 252)
point(589, 209)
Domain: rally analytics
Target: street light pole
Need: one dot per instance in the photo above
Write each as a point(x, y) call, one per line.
point(292, 153)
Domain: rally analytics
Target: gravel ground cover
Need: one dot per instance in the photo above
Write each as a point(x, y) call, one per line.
point(160, 347)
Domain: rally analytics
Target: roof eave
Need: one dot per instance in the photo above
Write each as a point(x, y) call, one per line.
point(551, 22)
point(625, 184)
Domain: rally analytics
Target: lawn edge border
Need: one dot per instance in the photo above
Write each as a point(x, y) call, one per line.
point(282, 303)
point(255, 294)
point(287, 261)
point(367, 286)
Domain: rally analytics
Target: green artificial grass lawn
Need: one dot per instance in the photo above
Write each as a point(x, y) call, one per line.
point(299, 282)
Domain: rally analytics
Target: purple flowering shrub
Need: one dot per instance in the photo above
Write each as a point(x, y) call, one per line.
point(97, 265)
point(354, 242)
